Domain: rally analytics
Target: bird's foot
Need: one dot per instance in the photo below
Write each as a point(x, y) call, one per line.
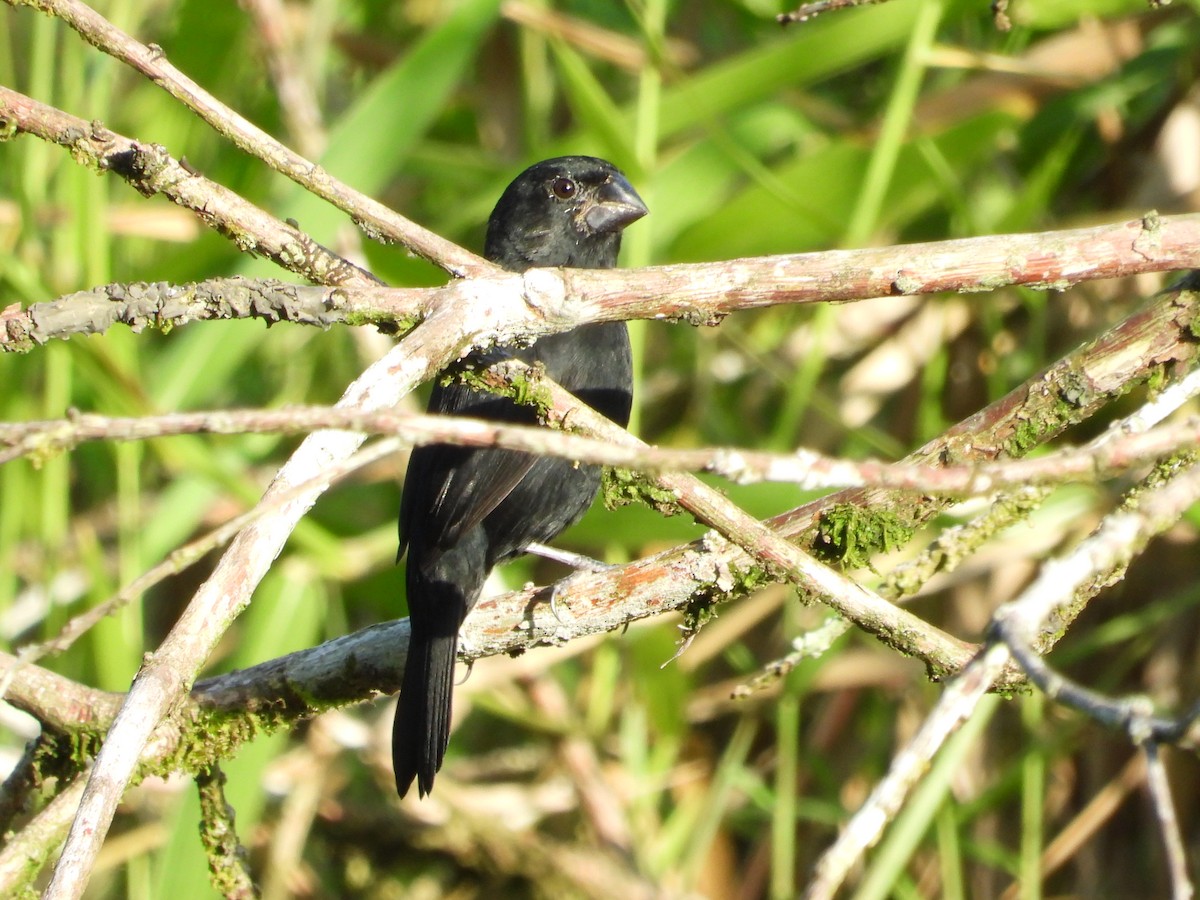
point(577, 561)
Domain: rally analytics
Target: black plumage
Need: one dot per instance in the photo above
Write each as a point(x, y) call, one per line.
point(465, 510)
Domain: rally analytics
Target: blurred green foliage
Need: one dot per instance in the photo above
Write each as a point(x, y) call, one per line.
point(912, 120)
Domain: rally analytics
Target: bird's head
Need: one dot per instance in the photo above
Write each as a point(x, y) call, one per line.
point(569, 211)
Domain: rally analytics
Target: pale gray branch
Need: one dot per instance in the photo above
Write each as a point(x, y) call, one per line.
point(169, 672)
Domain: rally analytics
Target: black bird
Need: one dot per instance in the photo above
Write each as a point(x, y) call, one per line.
point(465, 510)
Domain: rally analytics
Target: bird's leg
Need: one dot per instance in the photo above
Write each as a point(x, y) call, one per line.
point(576, 561)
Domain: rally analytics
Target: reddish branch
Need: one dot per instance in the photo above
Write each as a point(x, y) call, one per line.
point(510, 307)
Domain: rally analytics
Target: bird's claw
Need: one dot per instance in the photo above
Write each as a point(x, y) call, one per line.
point(554, 605)
point(577, 561)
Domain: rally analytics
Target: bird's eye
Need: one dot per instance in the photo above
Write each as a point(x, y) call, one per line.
point(563, 187)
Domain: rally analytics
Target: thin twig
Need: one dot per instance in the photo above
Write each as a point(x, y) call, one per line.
point(1093, 563)
point(954, 545)
point(1118, 450)
point(178, 560)
point(1130, 714)
point(292, 78)
point(1168, 822)
point(165, 307)
point(228, 861)
point(781, 558)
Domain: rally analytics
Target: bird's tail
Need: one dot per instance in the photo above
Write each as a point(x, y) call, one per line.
point(422, 728)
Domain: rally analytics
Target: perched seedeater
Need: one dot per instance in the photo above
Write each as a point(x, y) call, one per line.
point(465, 510)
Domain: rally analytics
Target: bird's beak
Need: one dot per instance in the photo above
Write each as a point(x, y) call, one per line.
point(616, 205)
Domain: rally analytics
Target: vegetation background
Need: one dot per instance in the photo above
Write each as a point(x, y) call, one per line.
point(913, 120)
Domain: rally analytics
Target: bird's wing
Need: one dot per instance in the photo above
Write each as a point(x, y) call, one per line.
point(474, 489)
point(450, 490)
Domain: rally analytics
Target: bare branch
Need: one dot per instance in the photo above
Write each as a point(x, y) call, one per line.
point(374, 217)
point(542, 301)
point(34, 845)
point(58, 703)
point(1118, 450)
point(1133, 715)
point(1168, 822)
point(701, 292)
point(1083, 571)
point(540, 304)
point(170, 670)
point(778, 556)
point(177, 561)
point(150, 170)
point(1095, 373)
point(228, 861)
point(166, 306)
point(554, 307)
